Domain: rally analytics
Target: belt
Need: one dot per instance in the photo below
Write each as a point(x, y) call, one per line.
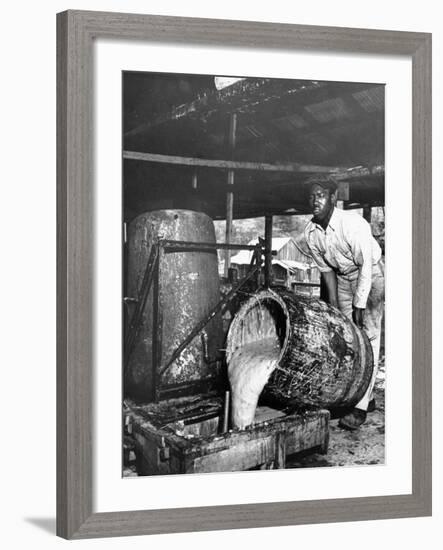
point(351, 275)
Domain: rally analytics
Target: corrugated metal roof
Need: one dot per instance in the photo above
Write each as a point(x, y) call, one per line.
point(331, 109)
point(290, 122)
point(371, 100)
point(278, 120)
point(292, 264)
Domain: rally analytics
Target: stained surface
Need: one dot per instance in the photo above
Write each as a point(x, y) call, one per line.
point(169, 444)
point(325, 360)
point(189, 288)
point(363, 447)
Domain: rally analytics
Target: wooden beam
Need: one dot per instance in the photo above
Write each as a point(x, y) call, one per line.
point(240, 165)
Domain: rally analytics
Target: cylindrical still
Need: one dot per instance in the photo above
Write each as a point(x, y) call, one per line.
point(188, 289)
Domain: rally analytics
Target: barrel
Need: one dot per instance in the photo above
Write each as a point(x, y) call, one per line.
point(324, 360)
point(188, 289)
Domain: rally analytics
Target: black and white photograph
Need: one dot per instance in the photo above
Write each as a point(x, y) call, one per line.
point(221, 299)
point(253, 248)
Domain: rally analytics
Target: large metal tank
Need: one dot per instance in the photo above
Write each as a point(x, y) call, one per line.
point(325, 360)
point(189, 288)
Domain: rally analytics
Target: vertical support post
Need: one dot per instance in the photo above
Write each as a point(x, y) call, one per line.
point(125, 307)
point(230, 191)
point(280, 450)
point(226, 411)
point(157, 324)
point(343, 191)
point(194, 180)
point(367, 213)
point(268, 250)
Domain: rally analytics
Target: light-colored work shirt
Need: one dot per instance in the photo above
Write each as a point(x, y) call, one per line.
point(346, 247)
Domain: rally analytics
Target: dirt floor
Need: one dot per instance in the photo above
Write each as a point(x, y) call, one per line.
point(363, 446)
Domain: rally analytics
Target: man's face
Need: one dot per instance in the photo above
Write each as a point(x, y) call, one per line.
point(321, 201)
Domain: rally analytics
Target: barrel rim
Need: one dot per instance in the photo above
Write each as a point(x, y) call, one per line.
point(261, 296)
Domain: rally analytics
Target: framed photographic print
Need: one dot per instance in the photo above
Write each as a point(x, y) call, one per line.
point(232, 197)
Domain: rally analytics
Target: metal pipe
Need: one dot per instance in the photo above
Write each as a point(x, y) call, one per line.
point(173, 246)
point(148, 277)
point(226, 412)
point(204, 339)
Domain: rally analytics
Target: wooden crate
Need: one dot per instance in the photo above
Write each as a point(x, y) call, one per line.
point(183, 436)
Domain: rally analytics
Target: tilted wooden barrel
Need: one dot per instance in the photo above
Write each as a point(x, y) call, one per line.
point(189, 288)
point(325, 360)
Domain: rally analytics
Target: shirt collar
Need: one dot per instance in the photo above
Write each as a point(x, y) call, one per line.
point(332, 222)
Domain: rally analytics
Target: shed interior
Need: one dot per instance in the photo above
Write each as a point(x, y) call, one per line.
point(179, 145)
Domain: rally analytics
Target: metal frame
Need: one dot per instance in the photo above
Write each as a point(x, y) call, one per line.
point(152, 276)
point(159, 249)
point(76, 33)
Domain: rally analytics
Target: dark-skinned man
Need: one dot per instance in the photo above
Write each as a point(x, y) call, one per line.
point(349, 259)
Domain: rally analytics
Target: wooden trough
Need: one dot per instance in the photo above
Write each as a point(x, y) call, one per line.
point(182, 436)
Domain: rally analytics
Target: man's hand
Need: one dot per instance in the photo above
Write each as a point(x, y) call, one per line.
point(358, 316)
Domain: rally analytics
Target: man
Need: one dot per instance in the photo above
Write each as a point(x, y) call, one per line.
point(349, 259)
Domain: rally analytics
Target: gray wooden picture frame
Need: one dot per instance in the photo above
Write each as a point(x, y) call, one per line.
point(76, 31)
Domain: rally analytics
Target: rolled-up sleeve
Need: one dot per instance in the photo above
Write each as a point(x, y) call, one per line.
point(360, 242)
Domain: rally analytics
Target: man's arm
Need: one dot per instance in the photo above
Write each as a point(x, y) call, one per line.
point(327, 273)
point(330, 280)
point(358, 315)
point(360, 240)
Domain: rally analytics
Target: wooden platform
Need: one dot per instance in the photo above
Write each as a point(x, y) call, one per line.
point(183, 436)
